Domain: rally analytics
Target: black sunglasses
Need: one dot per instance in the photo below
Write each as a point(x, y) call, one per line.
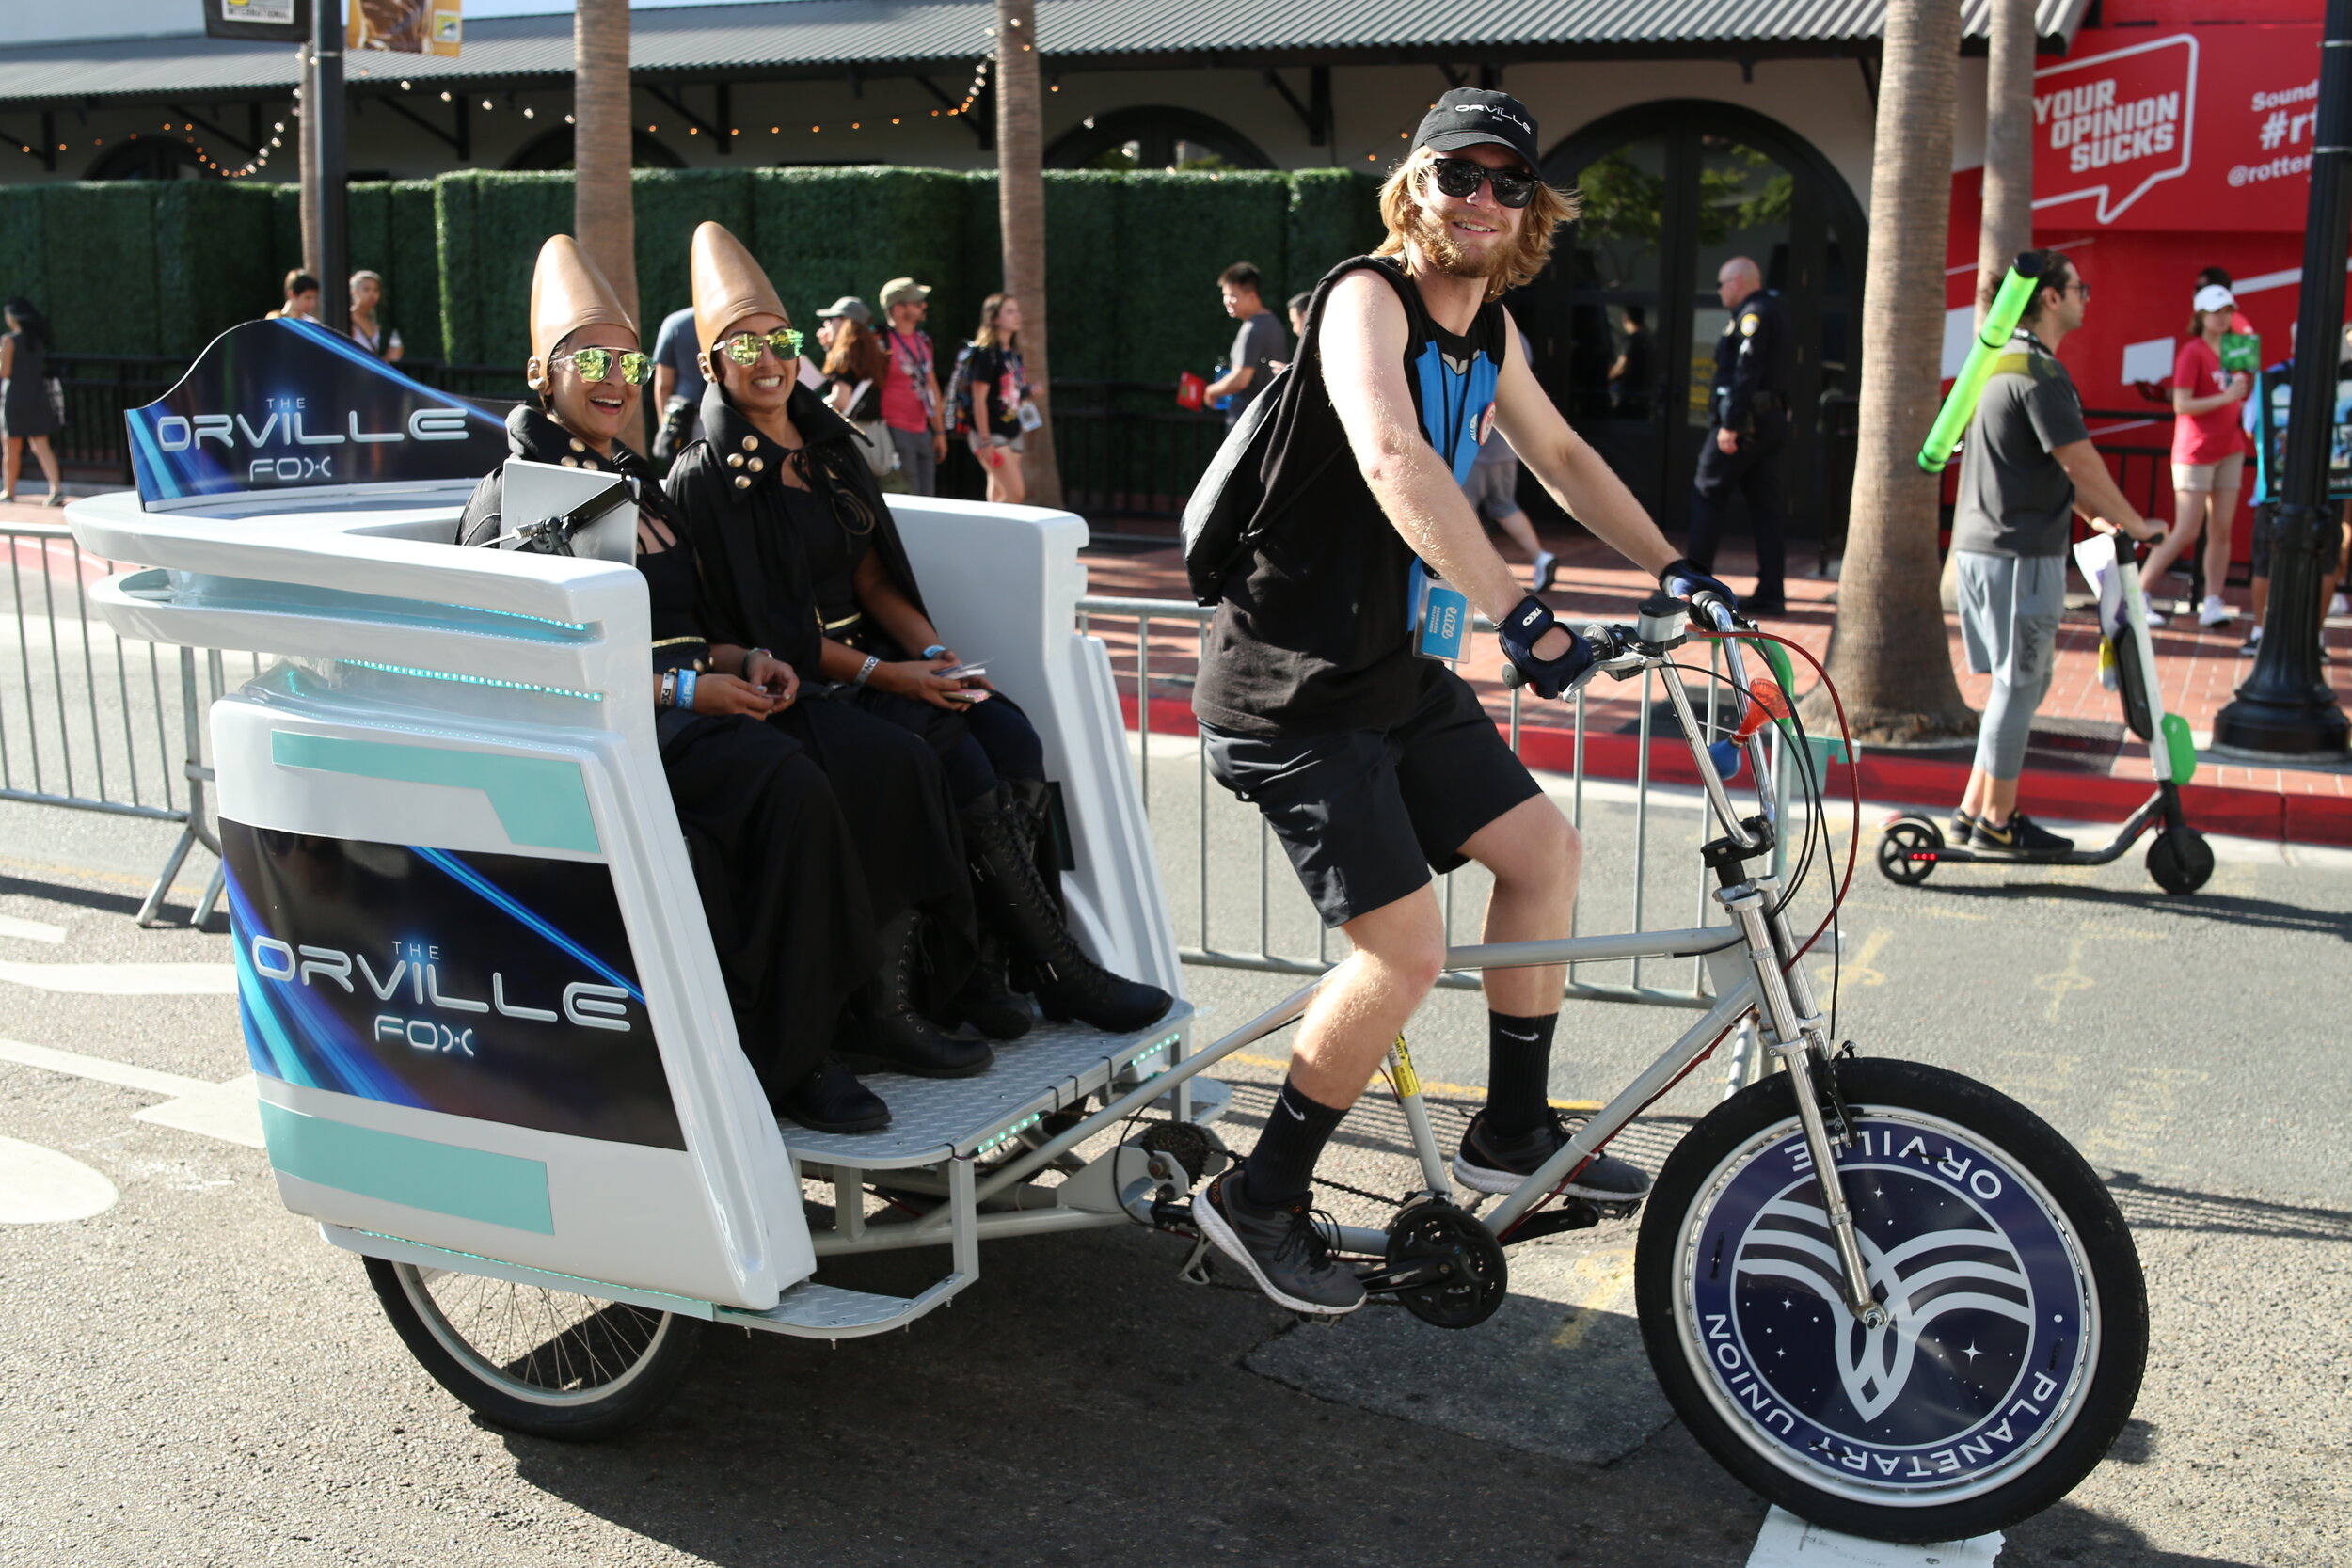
point(1459, 177)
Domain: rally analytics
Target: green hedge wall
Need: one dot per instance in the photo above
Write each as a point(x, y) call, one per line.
point(1131, 258)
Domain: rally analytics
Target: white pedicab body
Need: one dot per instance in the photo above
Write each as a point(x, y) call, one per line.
point(479, 990)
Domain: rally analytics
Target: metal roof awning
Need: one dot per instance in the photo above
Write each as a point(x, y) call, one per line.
point(785, 38)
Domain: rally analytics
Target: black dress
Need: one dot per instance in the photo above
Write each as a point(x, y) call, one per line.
point(782, 882)
point(24, 400)
point(810, 544)
point(757, 593)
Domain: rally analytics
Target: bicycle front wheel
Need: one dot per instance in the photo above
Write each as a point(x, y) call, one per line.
point(2018, 1314)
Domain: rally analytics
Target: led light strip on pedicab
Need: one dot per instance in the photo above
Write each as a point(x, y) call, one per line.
point(473, 680)
point(1034, 1118)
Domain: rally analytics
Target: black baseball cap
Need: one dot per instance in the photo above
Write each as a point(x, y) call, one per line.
point(1468, 115)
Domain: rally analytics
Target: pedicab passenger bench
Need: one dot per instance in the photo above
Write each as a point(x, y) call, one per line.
point(474, 973)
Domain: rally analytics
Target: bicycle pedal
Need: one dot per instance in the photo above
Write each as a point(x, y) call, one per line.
point(1576, 1214)
point(1199, 1265)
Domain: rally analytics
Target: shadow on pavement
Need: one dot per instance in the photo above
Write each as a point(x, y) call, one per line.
point(1079, 1405)
point(2147, 1206)
point(2261, 915)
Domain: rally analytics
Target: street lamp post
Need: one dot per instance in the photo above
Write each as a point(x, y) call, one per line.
point(2285, 709)
point(322, 162)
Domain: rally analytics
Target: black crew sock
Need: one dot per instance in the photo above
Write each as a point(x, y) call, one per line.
point(1518, 1071)
point(1281, 1169)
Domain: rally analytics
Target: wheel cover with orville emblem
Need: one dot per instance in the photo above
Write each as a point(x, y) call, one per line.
point(1995, 1328)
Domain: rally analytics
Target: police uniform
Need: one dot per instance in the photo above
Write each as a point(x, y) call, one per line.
point(1750, 397)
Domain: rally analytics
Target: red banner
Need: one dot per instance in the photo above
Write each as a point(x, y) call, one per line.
point(2204, 128)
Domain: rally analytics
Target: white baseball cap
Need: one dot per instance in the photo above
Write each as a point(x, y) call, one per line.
point(2213, 296)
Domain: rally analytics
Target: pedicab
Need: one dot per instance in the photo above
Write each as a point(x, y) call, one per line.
point(496, 1059)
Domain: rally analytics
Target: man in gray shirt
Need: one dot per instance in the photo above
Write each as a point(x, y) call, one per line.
point(1258, 347)
point(2029, 466)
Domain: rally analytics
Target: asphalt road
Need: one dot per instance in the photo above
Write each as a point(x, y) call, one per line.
point(190, 1377)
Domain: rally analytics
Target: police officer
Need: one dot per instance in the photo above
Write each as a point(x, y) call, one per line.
point(1748, 427)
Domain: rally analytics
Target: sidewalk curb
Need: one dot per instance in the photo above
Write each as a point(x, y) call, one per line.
point(2068, 797)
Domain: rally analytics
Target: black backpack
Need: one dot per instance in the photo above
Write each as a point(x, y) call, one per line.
point(1255, 473)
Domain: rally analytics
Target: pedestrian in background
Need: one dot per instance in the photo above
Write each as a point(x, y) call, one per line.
point(2027, 469)
point(2208, 453)
point(911, 404)
point(1298, 313)
point(999, 389)
point(1258, 347)
point(1747, 427)
point(1633, 378)
point(856, 365)
point(1493, 488)
point(302, 299)
point(370, 333)
point(677, 386)
point(28, 410)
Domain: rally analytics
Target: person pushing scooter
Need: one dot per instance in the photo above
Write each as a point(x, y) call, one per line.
point(2027, 467)
point(1374, 766)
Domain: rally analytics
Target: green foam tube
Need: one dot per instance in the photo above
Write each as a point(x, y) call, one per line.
point(1992, 339)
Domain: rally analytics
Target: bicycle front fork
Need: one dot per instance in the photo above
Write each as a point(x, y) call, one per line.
point(1795, 1035)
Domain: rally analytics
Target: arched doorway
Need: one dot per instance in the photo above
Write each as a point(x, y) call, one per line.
point(1155, 136)
point(1670, 191)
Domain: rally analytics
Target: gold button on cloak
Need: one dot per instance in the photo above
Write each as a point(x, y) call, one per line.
point(571, 462)
point(757, 464)
point(751, 443)
point(742, 482)
point(576, 446)
point(734, 460)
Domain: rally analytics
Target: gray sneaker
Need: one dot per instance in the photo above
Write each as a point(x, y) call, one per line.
point(1547, 572)
point(1487, 1162)
point(1284, 1250)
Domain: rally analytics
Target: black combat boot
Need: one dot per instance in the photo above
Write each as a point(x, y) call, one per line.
point(831, 1099)
point(986, 1001)
point(897, 1038)
point(1015, 899)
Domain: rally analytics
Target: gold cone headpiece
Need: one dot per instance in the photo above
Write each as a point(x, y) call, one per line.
point(568, 292)
point(728, 285)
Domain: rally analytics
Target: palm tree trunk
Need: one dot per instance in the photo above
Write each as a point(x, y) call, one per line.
point(2006, 227)
point(603, 206)
point(1021, 211)
point(1887, 652)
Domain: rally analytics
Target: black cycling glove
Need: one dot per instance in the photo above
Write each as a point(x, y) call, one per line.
point(1518, 633)
point(1680, 580)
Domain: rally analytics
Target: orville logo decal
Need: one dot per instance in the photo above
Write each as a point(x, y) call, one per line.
point(2114, 125)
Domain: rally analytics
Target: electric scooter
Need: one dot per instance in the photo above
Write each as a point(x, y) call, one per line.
point(1912, 846)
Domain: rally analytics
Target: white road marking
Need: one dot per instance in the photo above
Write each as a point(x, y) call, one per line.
point(125, 979)
point(41, 1186)
point(1789, 1542)
point(30, 930)
point(228, 1111)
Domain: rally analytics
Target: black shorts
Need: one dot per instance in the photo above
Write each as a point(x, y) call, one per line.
point(1366, 815)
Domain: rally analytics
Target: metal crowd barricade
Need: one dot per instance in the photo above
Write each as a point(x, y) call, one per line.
point(1211, 941)
point(96, 723)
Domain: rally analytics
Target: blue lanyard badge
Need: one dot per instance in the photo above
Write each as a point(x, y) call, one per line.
point(1441, 615)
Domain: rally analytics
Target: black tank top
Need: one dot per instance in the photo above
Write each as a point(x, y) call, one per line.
point(1313, 634)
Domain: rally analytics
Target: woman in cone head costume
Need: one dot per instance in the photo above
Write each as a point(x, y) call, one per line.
point(795, 914)
point(800, 553)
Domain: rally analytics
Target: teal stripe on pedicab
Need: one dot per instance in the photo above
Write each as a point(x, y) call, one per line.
point(540, 802)
point(464, 1183)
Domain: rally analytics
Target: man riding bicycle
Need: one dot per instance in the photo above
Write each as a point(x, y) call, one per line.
point(1373, 764)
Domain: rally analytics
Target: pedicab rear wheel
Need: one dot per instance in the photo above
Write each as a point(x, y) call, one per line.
point(1907, 851)
point(541, 1362)
point(2180, 862)
point(2019, 1315)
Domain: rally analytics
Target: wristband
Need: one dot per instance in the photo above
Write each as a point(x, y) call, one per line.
point(936, 650)
point(866, 670)
point(667, 695)
point(686, 689)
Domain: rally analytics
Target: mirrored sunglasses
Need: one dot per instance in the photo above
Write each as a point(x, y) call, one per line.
point(594, 364)
point(743, 348)
point(1459, 177)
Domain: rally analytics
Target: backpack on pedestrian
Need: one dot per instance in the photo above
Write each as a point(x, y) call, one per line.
point(959, 393)
point(1241, 495)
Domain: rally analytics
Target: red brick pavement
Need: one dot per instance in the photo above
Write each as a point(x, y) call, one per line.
point(2083, 764)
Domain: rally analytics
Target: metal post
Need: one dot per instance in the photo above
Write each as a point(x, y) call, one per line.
point(2284, 708)
point(322, 162)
